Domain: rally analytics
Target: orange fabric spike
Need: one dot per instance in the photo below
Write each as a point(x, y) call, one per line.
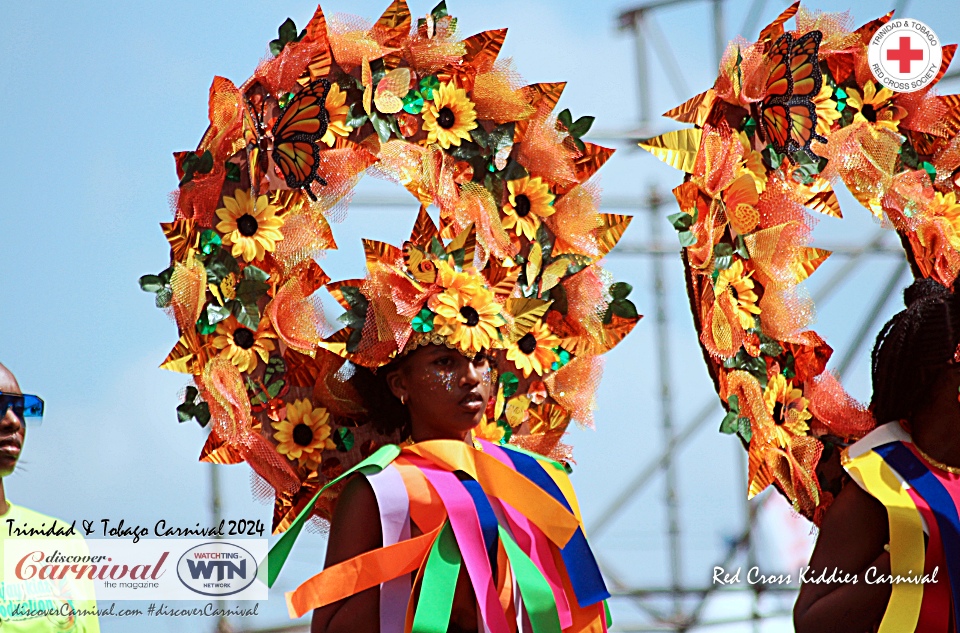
point(224, 136)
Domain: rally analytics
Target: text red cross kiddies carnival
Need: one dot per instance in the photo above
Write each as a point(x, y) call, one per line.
point(905, 54)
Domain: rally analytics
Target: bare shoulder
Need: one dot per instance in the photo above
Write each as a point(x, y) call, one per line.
point(355, 528)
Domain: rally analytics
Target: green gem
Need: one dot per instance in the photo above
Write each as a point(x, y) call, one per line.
point(413, 102)
point(203, 324)
point(510, 383)
point(563, 357)
point(491, 168)
point(343, 438)
point(841, 105)
point(930, 169)
point(840, 94)
point(507, 431)
point(285, 99)
point(423, 322)
point(210, 242)
point(750, 127)
point(427, 86)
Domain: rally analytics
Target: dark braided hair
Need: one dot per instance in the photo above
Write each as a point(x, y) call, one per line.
point(912, 348)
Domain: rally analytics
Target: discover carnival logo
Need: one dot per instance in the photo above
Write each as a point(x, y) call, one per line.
point(217, 569)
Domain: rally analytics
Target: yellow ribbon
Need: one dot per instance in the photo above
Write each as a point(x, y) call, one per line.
point(906, 538)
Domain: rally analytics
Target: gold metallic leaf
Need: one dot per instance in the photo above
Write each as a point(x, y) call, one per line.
point(182, 235)
point(695, 110)
point(951, 119)
point(467, 240)
point(391, 90)
point(392, 28)
point(525, 312)
point(381, 253)
point(548, 416)
point(534, 262)
point(483, 48)
point(775, 29)
point(311, 276)
point(424, 230)
point(611, 230)
point(366, 78)
point(554, 273)
point(824, 199)
point(502, 279)
point(809, 260)
point(216, 452)
point(516, 410)
point(337, 342)
point(543, 97)
point(319, 65)
point(677, 149)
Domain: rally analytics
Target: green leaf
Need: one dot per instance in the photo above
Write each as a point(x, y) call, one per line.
point(733, 404)
point(514, 171)
point(253, 273)
point(908, 156)
point(770, 346)
point(191, 394)
point(275, 387)
point(355, 299)
point(510, 383)
point(436, 249)
point(545, 239)
point(681, 220)
point(744, 429)
point(620, 290)
point(164, 296)
point(722, 256)
point(381, 125)
point(566, 119)
point(287, 31)
point(357, 116)
point(559, 296)
point(352, 319)
point(729, 423)
point(740, 247)
point(466, 151)
point(353, 341)
point(151, 283)
point(440, 11)
point(501, 136)
point(687, 238)
point(216, 313)
point(480, 137)
point(250, 291)
point(205, 164)
point(247, 314)
point(220, 264)
point(624, 309)
point(581, 126)
point(233, 171)
point(771, 158)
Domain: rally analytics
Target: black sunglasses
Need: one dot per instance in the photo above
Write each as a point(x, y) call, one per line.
point(25, 406)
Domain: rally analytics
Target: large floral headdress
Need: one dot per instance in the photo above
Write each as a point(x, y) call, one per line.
point(789, 116)
point(510, 265)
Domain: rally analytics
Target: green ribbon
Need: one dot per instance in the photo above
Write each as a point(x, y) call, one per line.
point(534, 589)
point(281, 550)
point(439, 584)
point(606, 613)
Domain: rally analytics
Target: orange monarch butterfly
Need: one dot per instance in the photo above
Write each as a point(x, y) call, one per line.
point(788, 114)
point(295, 152)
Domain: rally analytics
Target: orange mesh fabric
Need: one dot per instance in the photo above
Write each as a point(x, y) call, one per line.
point(864, 156)
point(836, 28)
point(352, 42)
point(296, 320)
point(717, 159)
point(189, 285)
point(744, 83)
point(497, 95)
point(575, 221)
point(574, 385)
point(835, 412)
point(544, 153)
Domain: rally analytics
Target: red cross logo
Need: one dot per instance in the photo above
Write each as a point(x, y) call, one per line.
point(905, 55)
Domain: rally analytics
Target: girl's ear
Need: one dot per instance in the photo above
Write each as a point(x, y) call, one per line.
point(397, 384)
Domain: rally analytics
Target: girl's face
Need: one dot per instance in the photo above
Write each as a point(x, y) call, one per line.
point(445, 392)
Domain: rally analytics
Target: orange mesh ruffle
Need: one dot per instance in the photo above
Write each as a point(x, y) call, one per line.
point(835, 411)
point(189, 285)
point(544, 153)
point(576, 220)
point(574, 386)
point(296, 320)
point(717, 159)
point(497, 96)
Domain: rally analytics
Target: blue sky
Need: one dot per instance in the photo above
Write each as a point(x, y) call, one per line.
point(99, 95)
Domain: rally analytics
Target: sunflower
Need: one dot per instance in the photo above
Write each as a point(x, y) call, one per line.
point(242, 345)
point(451, 279)
point(449, 117)
point(468, 317)
point(529, 200)
point(251, 226)
point(875, 106)
point(947, 206)
point(789, 409)
point(741, 291)
point(533, 352)
point(337, 112)
point(827, 111)
point(304, 433)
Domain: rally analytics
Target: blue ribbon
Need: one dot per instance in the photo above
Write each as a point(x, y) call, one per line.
point(941, 503)
point(488, 520)
point(581, 565)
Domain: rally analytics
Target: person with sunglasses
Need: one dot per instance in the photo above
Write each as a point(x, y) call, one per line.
point(34, 606)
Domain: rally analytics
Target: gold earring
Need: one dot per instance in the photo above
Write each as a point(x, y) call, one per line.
point(403, 399)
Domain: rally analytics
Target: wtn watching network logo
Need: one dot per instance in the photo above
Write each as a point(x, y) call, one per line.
point(217, 569)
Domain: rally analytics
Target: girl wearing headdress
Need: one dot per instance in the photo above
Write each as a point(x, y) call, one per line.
point(889, 546)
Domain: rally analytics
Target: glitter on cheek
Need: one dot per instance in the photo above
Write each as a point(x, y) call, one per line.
point(441, 379)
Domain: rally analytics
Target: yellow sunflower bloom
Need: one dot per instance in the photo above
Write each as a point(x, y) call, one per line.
point(449, 118)
point(875, 106)
point(827, 111)
point(337, 113)
point(739, 288)
point(789, 410)
point(451, 279)
point(251, 226)
point(947, 206)
point(241, 345)
point(469, 320)
point(304, 433)
point(529, 200)
point(533, 352)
